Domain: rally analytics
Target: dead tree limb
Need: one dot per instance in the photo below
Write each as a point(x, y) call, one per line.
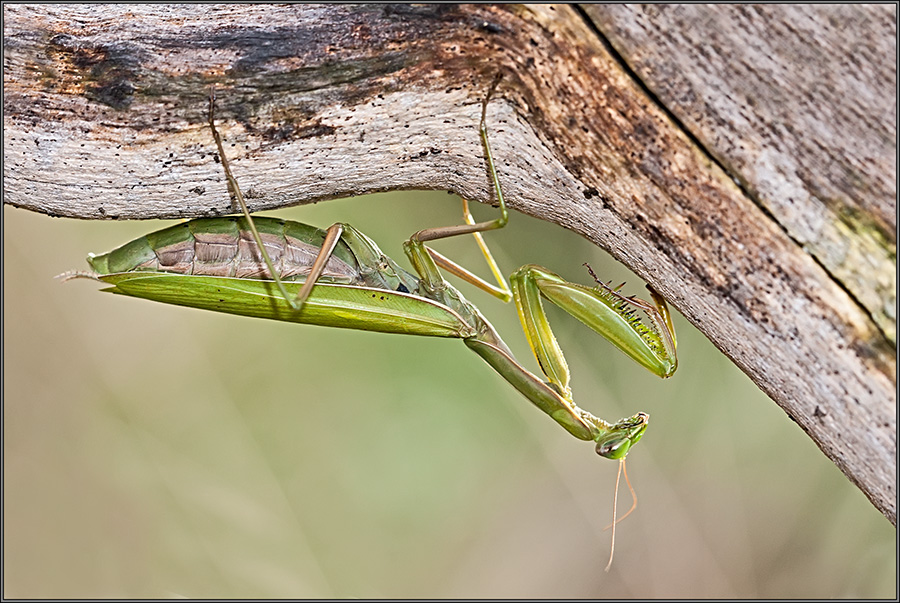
point(705, 185)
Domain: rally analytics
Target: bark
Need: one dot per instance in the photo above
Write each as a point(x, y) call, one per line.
point(740, 159)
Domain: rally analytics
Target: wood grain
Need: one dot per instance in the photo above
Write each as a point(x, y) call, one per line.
point(799, 104)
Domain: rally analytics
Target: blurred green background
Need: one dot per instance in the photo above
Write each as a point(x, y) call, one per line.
point(156, 451)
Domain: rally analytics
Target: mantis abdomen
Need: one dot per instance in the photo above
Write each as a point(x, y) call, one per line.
point(226, 247)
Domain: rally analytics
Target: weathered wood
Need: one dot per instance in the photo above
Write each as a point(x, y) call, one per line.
point(105, 117)
point(798, 103)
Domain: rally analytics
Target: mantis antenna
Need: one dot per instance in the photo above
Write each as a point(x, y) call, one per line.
point(612, 546)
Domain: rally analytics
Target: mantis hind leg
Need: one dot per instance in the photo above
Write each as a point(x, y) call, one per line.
point(236, 194)
point(379, 269)
point(332, 236)
point(376, 269)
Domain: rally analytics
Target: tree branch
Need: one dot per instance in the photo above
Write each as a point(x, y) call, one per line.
point(105, 112)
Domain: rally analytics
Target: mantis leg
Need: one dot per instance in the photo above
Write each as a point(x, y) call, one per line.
point(380, 270)
point(651, 344)
point(606, 312)
point(235, 191)
point(501, 290)
point(471, 227)
point(332, 236)
point(377, 269)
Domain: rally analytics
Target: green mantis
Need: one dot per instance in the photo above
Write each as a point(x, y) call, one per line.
point(288, 271)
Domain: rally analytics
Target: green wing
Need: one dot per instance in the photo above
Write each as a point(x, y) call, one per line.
point(344, 306)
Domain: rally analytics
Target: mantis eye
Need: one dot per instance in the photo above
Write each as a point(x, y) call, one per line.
point(615, 443)
point(614, 448)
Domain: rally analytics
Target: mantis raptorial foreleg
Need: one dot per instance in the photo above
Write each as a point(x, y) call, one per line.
point(604, 310)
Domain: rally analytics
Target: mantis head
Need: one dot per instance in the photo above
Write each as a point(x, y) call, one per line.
point(615, 441)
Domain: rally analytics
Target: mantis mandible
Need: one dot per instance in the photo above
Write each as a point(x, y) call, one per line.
point(289, 271)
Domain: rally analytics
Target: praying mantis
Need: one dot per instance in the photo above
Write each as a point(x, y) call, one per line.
point(338, 277)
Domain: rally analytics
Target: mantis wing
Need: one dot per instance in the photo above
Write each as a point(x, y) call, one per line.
point(330, 305)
